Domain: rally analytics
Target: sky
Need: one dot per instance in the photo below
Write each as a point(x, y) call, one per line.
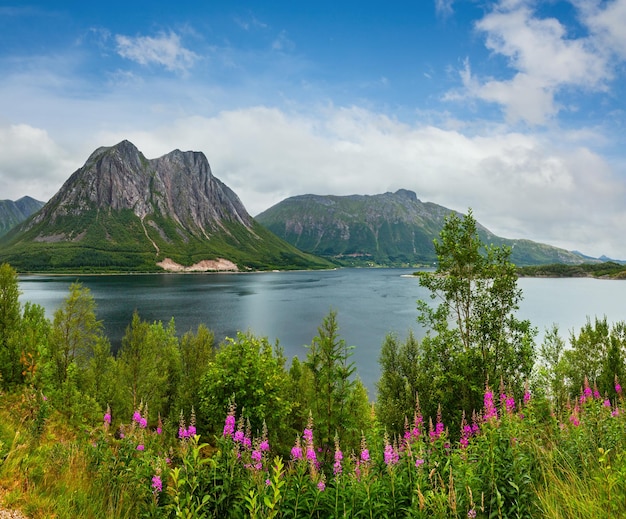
point(513, 108)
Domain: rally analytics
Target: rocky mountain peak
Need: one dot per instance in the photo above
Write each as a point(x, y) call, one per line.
point(178, 185)
point(406, 193)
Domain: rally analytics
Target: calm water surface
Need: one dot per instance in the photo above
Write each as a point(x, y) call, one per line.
point(289, 306)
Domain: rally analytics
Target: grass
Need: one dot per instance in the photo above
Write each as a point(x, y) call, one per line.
point(514, 466)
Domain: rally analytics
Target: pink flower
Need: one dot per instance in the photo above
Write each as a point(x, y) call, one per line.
point(337, 468)
point(509, 404)
point(140, 447)
point(229, 425)
point(490, 408)
point(308, 435)
point(191, 430)
point(296, 453)
point(419, 462)
point(310, 455)
point(618, 388)
point(136, 416)
point(107, 418)
point(390, 455)
point(365, 455)
point(437, 432)
point(321, 486)
point(143, 423)
point(466, 434)
point(157, 484)
point(159, 430)
point(264, 446)
point(587, 392)
point(238, 437)
point(527, 396)
point(256, 456)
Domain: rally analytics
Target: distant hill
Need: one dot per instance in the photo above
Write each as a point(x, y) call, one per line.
point(392, 229)
point(604, 270)
point(12, 213)
point(123, 212)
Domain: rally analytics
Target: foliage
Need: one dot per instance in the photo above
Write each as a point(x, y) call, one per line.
point(399, 382)
point(119, 241)
point(598, 354)
point(473, 336)
point(250, 371)
point(509, 462)
point(390, 229)
point(332, 395)
point(555, 452)
point(551, 369)
point(149, 368)
point(606, 269)
point(196, 352)
point(10, 319)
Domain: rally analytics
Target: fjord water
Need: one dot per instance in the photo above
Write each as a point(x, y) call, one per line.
point(289, 306)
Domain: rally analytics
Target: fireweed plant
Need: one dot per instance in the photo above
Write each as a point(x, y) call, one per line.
point(509, 461)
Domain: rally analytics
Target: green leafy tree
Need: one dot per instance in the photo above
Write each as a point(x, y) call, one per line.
point(149, 366)
point(32, 341)
point(597, 353)
point(614, 364)
point(75, 332)
point(331, 387)
point(99, 377)
point(552, 369)
point(196, 351)
point(399, 383)
point(10, 317)
point(473, 336)
point(251, 371)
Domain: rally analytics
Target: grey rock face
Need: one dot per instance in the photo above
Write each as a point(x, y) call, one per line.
point(178, 186)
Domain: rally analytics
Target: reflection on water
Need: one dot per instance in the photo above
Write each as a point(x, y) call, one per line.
point(289, 306)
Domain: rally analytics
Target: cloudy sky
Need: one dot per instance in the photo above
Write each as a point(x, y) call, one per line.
point(515, 108)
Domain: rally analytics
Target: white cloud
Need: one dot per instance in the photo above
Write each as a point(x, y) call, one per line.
point(249, 22)
point(165, 50)
point(31, 163)
point(607, 21)
point(283, 43)
point(520, 186)
point(444, 7)
point(543, 58)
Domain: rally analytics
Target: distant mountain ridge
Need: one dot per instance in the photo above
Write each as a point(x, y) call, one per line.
point(14, 212)
point(121, 211)
point(392, 229)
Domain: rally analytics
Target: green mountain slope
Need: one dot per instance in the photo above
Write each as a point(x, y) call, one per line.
point(13, 213)
point(123, 212)
point(391, 229)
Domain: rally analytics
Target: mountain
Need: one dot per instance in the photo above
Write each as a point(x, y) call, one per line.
point(123, 212)
point(391, 229)
point(12, 213)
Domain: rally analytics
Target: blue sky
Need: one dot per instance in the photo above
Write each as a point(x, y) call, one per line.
point(514, 108)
